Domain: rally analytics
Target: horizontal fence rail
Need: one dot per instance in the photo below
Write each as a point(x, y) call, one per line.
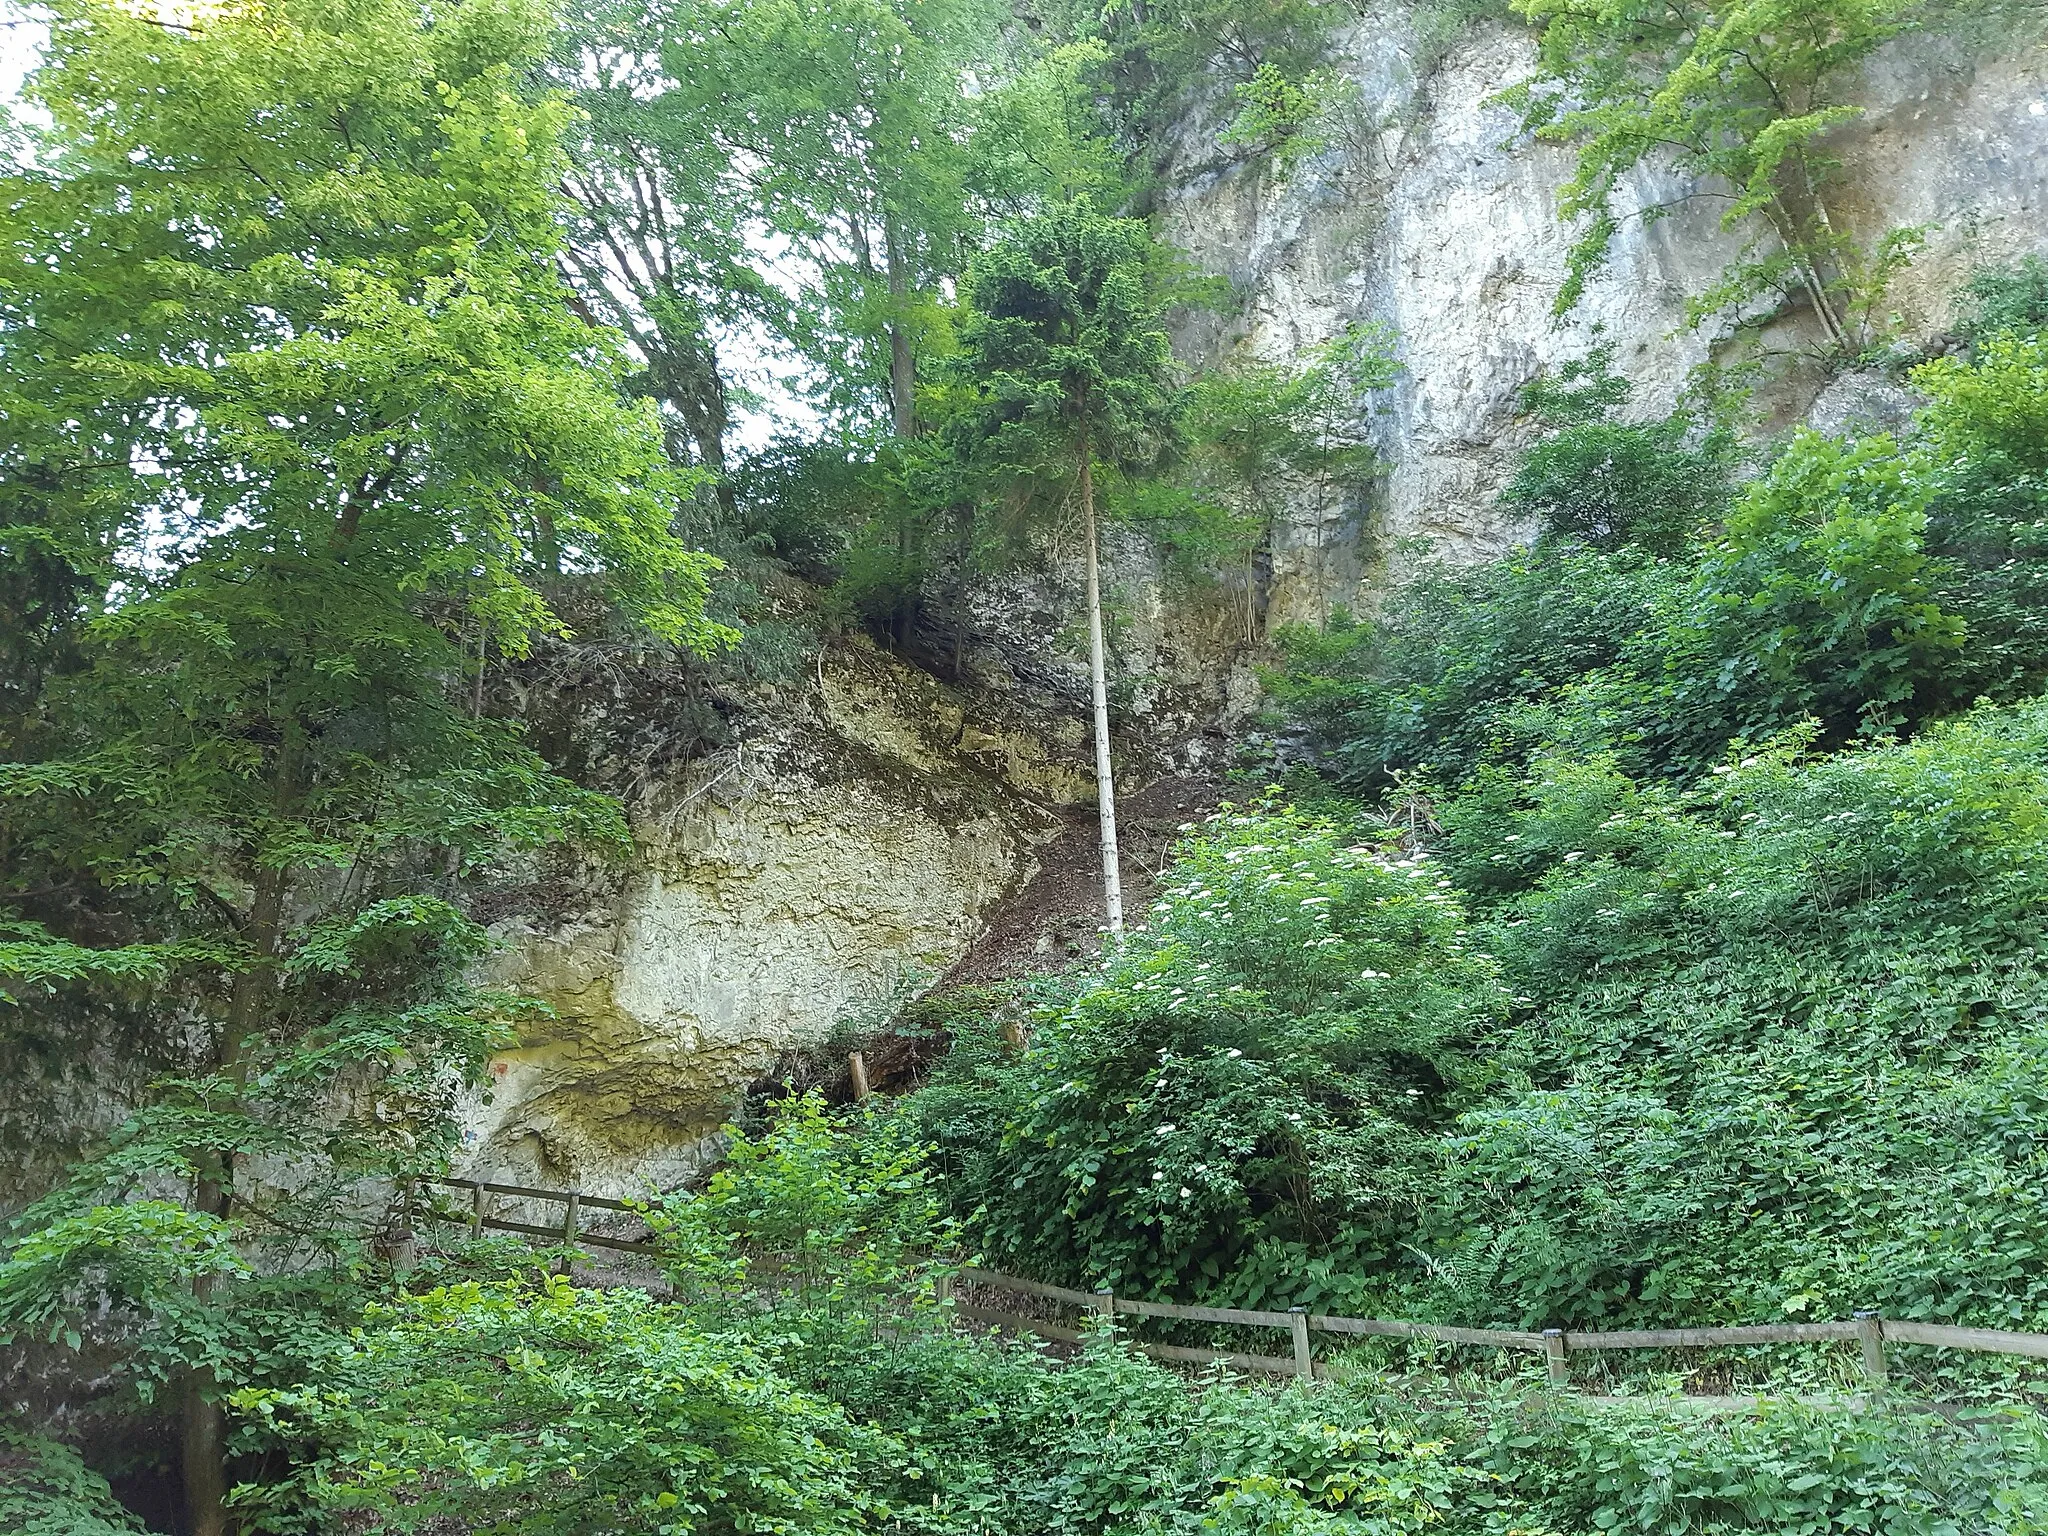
point(1556, 1345)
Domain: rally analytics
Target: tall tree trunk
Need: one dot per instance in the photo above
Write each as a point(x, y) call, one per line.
point(1098, 677)
point(203, 1443)
point(902, 366)
point(203, 1437)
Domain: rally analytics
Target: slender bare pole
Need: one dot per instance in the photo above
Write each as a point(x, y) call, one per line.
point(1098, 675)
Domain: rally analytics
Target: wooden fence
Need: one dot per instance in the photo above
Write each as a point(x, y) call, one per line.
point(567, 1232)
point(1557, 1345)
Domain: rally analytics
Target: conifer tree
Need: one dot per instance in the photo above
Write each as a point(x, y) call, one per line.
point(1065, 346)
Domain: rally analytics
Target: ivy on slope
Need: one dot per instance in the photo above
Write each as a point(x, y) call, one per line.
point(1782, 1052)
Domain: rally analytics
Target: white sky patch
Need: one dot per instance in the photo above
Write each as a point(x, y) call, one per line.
point(21, 44)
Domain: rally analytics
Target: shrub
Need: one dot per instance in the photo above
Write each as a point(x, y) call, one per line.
point(45, 1490)
point(1448, 677)
point(1980, 451)
point(1817, 600)
point(536, 1407)
point(1780, 1467)
point(2005, 301)
point(1606, 483)
point(838, 1208)
point(1241, 1102)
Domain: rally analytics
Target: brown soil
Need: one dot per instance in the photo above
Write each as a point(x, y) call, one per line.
point(1055, 921)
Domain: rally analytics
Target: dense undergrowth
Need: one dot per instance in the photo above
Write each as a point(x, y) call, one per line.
point(796, 1381)
point(1653, 937)
point(1690, 968)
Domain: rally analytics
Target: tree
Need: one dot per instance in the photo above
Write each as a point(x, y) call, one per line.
point(658, 243)
point(1742, 93)
point(799, 169)
point(1610, 483)
point(1166, 54)
point(1064, 345)
point(806, 180)
point(537, 1407)
point(300, 427)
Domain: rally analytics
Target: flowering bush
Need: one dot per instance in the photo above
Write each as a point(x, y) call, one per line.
point(1245, 1094)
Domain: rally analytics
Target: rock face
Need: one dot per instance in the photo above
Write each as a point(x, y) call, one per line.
point(846, 850)
point(1428, 211)
point(840, 852)
point(871, 818)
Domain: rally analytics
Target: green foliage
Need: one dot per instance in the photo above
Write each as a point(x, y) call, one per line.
point(1979, 451)
point(1606, 483)
point(996, 1439)
point(1242, 1101)
point(1065, 348)
point(1776, 1025)
point(144, 1256)
point(1256, 429)
point(1773, 1055)
point(1282, 118)
point(806, 503)
point(295, 391)
point(841, 1213)
point(1465, 665)
point(1166, 58)
point(1818, 600)
point(535, 1407)
point(45, 1490)
point(2000, 300)
point(1865, 584)
point(864, 147)
point(1780, 1468)
point(1780, 1055)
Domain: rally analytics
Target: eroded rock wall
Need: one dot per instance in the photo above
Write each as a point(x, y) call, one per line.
point(846, 848)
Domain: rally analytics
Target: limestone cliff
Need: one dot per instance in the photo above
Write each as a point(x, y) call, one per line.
point(1430, 212)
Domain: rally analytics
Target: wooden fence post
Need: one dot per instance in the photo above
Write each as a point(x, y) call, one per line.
point(1105, 1303)
point(1556, 1357)
point(942, 1289)
point(405, 1246)
point(857, 1070)
point(479, 1197)
point(572, 1208)
point(1870, 1333)
point(1304, 1361)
